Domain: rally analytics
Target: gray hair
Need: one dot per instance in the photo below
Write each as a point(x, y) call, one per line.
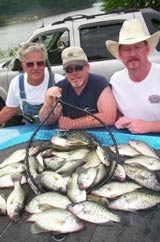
point(32, 47)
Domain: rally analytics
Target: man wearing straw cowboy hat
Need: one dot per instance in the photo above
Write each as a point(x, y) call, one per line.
point(136, 88)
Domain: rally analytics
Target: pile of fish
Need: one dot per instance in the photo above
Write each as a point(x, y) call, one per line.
point(77, 180)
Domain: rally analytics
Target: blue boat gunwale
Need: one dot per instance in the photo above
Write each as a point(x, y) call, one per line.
point(14, 135)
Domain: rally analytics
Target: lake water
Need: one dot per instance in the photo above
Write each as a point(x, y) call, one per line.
point(14, 34)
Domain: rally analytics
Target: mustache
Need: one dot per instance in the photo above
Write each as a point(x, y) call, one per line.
point(133, 59)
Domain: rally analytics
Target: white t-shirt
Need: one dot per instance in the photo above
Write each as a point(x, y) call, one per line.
point(34, 94)
point(138, 99)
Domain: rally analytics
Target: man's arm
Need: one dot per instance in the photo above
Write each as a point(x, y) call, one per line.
point(50, 100)
point(7, 113)
point(107, 112)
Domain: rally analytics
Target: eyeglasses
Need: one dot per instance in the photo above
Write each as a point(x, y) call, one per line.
point(31, 64)
point(77, 68)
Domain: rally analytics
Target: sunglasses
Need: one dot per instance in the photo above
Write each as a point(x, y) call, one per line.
point(38, 63)
point(71, 69)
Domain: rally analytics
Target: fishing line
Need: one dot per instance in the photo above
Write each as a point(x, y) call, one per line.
point(6, 228)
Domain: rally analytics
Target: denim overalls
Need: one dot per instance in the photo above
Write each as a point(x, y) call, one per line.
point(31, 110)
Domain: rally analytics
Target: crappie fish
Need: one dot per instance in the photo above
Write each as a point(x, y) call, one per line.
point(143, 148)
point(63, 144)
point(12, 168)
point(3, 204)
point(33, 166)
point(93, 212)
point(52, 180)
point(103, 155)
point(16, 199)
point(71, 155)
point(101, 174)
point(6, 180)
point(55, 220)
point(53, 163)
point(70, 166)
point(135, 200)
point(86, 177)
point(17, 156)
point(142, 176)
point(47, 201)
point(119, 173)
point(124, 150)
point(95, 198)
point(150, 162)
point(114, 189)
point(92, 159)
point(74, 193)
point(81, 135)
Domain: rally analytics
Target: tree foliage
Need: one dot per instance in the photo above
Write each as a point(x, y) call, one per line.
point(10, 9)
point(110, 5)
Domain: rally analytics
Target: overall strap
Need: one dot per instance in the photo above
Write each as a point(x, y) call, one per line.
point(21, 86)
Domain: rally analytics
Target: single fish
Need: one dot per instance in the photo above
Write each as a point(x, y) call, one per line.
point(69, 155)
point(69, 167)
point(81, 135)
point(101, 174)
point(150, 162)
point(119, 173)
point(3, 204)
point(114, 189)
point(95, 198)
point(17, 156)
point(136, 200)
point(63, 144)
point(143, 148)
point(125, 150)
point(47, 201)
point(12, 168)
point(92, 159)
point(74, 193)
point(6, 180)
point(142, 176)
point(55, 220)
point(103, 155)
point(33, 166)
point(93, 212)
point(53, 163)
point(16, 199)
point(54, 181)
point(86, 177)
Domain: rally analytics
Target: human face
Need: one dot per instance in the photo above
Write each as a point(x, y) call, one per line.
point(77, 77)
point(134, 56)
point(34, 65)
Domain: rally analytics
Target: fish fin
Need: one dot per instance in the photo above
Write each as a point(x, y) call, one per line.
point(36, 229)
point(16, 177)
point(44, 207)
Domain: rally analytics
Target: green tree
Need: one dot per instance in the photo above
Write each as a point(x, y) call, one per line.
point(110, 5)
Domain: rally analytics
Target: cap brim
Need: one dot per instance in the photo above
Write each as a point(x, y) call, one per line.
point(75, 62)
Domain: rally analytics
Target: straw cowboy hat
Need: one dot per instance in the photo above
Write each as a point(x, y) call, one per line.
point(132, 32)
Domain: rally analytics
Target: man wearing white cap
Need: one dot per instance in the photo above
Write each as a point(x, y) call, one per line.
point(82, 89)
point(136, 88)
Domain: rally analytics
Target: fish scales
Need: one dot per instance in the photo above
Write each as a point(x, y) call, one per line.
point(93, 212)
point(135, 200)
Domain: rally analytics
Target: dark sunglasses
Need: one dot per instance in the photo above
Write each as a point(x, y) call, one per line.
point(77, 68)
point(38, 63)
